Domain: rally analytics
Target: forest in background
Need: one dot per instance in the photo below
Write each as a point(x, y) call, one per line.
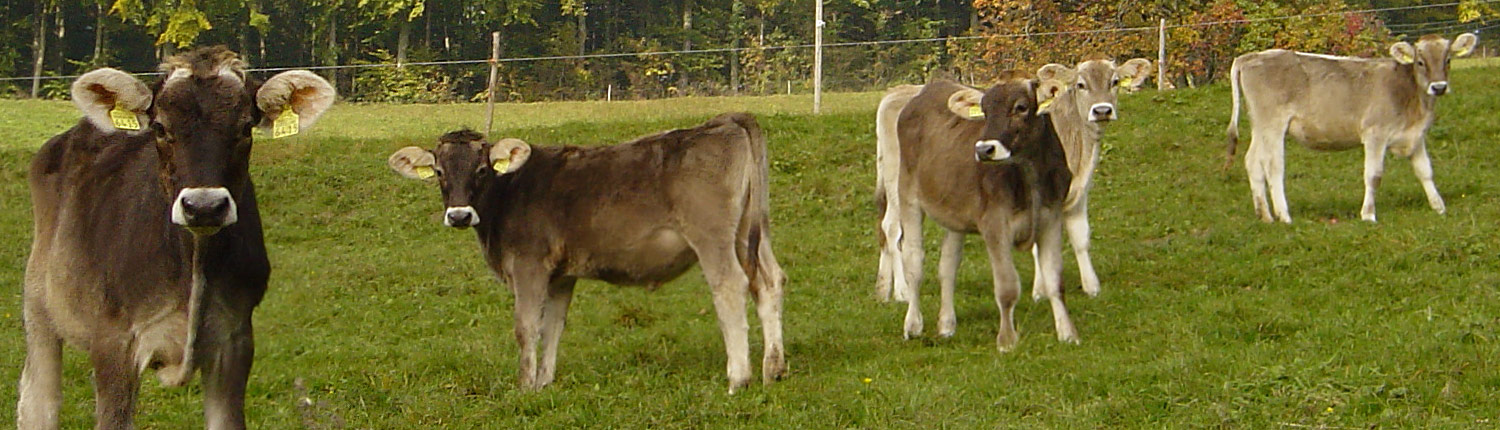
point(760, 46)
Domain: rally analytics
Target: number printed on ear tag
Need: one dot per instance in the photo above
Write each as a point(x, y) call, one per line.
point(285, 125)
point(976, 112)
point(425, 172)
point(124, 119)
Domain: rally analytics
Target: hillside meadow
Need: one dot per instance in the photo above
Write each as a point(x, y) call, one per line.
point(379, 317)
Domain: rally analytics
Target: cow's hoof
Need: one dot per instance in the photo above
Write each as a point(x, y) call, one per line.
point(1006, 341)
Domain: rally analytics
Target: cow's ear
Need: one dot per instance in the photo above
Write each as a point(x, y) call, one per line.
point(1403, 53)
point(508, 155)
point(1046, 93)
point(1133, 73)
point(112, 100)
point(413, 162)
point(292, 101)
point(1463, 45)
point(965, 103)
point(1056, 71)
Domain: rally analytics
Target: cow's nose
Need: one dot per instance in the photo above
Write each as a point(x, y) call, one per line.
point(204, 209)
point(210, 206)
point(1103, 112)
point(1438, 88)
point(990, 150)
point(460, 217)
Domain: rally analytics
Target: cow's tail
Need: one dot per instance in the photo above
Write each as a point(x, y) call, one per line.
point(761, 261)
point(1233, 132)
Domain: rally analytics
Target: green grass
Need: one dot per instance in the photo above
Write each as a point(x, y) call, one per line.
point(1209, 318)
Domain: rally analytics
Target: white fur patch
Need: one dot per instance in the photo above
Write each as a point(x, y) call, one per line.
point(999, 154)
point(179, 214)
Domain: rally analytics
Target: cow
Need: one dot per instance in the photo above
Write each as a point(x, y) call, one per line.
point(1079, 107)
point(989, 163)
point(148, 250)
point(638, 213)
point(1084, 97)
point(1338, 103)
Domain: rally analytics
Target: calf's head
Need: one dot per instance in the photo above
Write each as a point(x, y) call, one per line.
point(1093, 85)
point(1430, 58)
point(463, 164)
point(1010, 114)
point(200, 115)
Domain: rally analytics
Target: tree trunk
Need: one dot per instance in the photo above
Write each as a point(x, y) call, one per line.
point(39, 48)
point(583, 28)
point(99, 39)
point(333, 50)
point(734, 68)
point(403, 39)
point(687, 44)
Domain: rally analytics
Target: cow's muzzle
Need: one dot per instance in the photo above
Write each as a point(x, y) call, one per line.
point(1438, 88)
point(990, 151)
point(460, 217)
point(204, 210)
point(1101, 112)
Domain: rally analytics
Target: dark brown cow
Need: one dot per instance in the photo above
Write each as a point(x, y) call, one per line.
point(639, 213)
point(112, 269)
point(1015, 198)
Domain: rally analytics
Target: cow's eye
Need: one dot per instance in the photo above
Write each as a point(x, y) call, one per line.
point(1020, 109)
point(1421, 63)
point(1114, 83)
point(1080, 85)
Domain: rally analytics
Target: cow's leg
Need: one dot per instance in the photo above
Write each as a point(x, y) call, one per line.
point(40, 397)
point(1422, 165)
point(1275, 167)
point(1007, 286)
point(951, 253)
point(226, 373)
point(768, 289)
point(1076, 221)
point(1049, 274)
point(912, 255)
point(1255, 172)
point(722, 270)
point(1374, 170)
point(554, 318)
point(892, 272)
point(115, 384)
point(530, 288)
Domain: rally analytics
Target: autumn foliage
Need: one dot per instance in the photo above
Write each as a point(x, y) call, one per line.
point(1203, 38)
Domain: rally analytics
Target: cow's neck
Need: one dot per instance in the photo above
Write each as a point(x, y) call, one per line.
point(1078, 135)
point(1413, 100)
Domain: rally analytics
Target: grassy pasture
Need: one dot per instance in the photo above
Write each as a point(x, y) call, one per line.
point(379, 317)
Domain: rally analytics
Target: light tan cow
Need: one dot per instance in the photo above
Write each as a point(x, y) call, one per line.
point(1338, 103)
point(1082, 99)
point(1080, 106)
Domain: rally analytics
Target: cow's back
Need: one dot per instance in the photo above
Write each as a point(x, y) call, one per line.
point(1326, 102)
point(610, 212)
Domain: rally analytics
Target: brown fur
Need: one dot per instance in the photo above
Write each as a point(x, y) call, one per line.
point(637, 213)
point(1015, 203)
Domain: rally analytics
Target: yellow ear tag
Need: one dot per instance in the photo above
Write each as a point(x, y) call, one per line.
point(124, 119)
point(1407, 59)
point(285, 125)
point(501, 165)
point(1044, 105)
point(425, 172)
point(976, 112)
point(1124, 83)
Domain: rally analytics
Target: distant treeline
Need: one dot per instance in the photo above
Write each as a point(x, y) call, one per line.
point(66, 37)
